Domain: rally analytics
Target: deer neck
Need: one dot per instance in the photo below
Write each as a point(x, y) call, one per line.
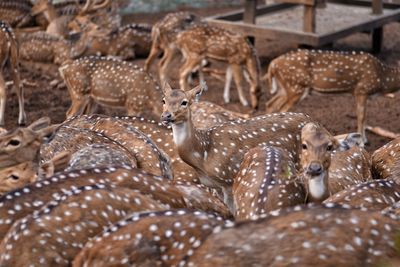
point(190, 143)
point(391, 79)
point(318, 188)
point(50, 13)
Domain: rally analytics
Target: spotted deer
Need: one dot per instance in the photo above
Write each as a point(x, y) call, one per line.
point(328, 235)
point(325, 170)
point(266, 181)
point(203, 41)
point(55, 234)
point(385, 161)
point(371, 195)
point(16, 13)
point(9, 55)
point(216, 153)
point(23, 201)
point(164, 238)
point(293, 75)
point(90, 79)
point(58, 18)
point(163, 37)
point(126, 42)
point(147, 154)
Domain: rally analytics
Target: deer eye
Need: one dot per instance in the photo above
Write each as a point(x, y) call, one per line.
point(163, 101)
point(13, 142)
point(14, 177)
point(329, 147)
point(304, 146)
point(184, 103)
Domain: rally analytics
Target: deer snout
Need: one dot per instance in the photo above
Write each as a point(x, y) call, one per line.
point(314, 168)
point(166, 118)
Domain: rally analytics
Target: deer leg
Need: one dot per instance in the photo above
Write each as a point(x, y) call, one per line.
point(361, 101)
point(290, 102)
point(2, 99)
point(237, 76)
point(272, 103)
point(77, 106)
point(186, 69)
point(20, 95)
point(228, 80)
point(152, 55)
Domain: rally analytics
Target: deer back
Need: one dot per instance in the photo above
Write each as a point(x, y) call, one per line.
point(374, 195)
point(23, 201)
point(327, 235)
point(74, 140)
point(385, 161)
point(57, 232)
point(139, 36)
point(149, 157)
point(165, 238)
point(349, 167)
point(15, 12)
point(265, 181)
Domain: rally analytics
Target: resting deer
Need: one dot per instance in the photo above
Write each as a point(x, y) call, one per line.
point(58, 19)
point(163, 238)
point(203, 41)
point(89, 80)
point(328, 235)
point(147, 154)
point(293, 75)
point(163, 37)
point(9, 55)
point(320, 176)
point(371, 195)
point(386, 161)
point(16, 12)
point(216, 153)
point(24, 201)
point(127, 42)
point(57, 232)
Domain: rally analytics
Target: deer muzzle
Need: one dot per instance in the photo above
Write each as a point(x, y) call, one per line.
point(314, 168)
point(167, 118)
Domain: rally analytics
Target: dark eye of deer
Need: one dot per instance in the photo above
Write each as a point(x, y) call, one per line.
point(14, 177)
point(184, 103)
point(13, 142)
point(163, 101)
point(329, 148)
point(304, 146)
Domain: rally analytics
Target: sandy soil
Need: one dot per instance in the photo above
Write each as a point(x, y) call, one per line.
point(46, 95)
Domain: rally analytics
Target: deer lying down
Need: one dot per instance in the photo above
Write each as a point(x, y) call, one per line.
point(164, 238)
point(328, 235)
point(110, 82)
point(386, 161)
point(293, 75)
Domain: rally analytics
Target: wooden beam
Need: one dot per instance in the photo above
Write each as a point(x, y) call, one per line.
point(249, 15)
point(300, 2)
point(377, 7)
point(309, 19)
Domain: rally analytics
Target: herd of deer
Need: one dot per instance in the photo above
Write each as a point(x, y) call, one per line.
point(204, 187)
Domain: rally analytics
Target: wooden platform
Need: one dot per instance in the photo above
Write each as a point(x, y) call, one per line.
point(290, 22)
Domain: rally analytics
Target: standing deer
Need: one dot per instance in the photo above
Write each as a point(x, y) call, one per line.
point(9, 55)
point(216, 153)
point(203, 41)
point(163, 37)
point(109, 82)
point(163, 238)
point(386, 161)
point(328, 235)
point(293, 75)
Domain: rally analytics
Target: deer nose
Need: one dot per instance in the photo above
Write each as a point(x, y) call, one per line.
point(315, 168)
point(166, 115)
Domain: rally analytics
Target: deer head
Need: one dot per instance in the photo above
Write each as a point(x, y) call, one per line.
point(23, 144)
point(315, 159)
point(176, 109)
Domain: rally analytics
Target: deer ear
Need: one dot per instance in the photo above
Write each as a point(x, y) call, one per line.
point(166, 88)
point(39, 124)
point(195, 93)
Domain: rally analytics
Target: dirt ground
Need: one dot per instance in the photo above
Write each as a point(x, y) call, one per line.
point(46, 95)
